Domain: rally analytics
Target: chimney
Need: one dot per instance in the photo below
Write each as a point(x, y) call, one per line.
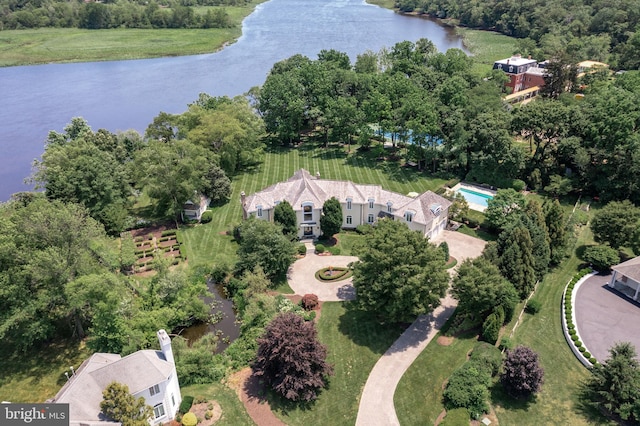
point(317, 175)
point(165, 346)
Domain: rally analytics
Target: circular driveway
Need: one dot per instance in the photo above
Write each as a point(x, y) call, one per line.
point(302, 279)
point(605, 317)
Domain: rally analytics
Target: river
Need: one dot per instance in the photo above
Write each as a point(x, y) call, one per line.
point(123, 95)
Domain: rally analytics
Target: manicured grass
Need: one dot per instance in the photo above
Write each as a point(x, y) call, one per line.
point(209, 245)
point(355, 342)
point(233, 412)
point(418, 397)
point(38, 375)
point(349, 241)
point(44, 45)
point(477, 233)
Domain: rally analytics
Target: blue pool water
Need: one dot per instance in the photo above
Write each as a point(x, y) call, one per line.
point(474, 197)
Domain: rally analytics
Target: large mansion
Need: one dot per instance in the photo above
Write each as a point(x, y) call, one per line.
point(361, 204)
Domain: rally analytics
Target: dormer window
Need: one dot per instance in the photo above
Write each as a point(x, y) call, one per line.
point(371, 201)
point(435, 209)
point(259, 209)
point(408, 215)
point(349, 201)
point(389, 204)
point(154, 389)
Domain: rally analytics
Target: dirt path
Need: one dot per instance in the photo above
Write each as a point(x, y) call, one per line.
point(248, 388)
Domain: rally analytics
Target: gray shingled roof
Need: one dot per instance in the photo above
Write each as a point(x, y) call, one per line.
point(138, 371)
point(630, 268)
point(303, 187)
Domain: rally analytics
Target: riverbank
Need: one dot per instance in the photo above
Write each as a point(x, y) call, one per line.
point(60, 45)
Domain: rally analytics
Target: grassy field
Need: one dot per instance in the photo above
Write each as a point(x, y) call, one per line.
point(418, 398)
point(486, 47)
point(208, 244)
point(233, 412)
point(44, 45)
point(38, 374)
point(355, 342)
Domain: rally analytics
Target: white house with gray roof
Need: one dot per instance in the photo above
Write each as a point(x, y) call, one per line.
point(361, 204)
point(149, 374)
point(626, 278)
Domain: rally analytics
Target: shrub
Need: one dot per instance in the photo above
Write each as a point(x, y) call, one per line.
point(456, 417)
point(582, 349)
point(206, 217)
point(364, 229)
point(571, 327)
point(208, 415)
point(168, 232)
point(593, 360)
point(189, 419)
point(472, 223)
point(468, 388)
point(487, 355)
point(578, 344)
point(602, 257)
point(138, 239)
point(505, 343)
point(309, 316)
point(586, 354)
point(302, 249)
point(320, 248)
point(521, 375)
point(491, 328)
point(444, 247)
point(334, 250)
point(220, 273)
point(185, 405)
point(574, 337)
point(572, 332)
point(533, 306)
point(309, 302)
point(518, 185)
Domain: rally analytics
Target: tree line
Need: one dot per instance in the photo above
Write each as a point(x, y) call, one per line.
point(583, 29)
point(111, 14)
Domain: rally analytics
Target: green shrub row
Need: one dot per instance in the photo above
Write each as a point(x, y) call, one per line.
point(168, 232)
point(339, 272)
point(185, 405)
point(138, 239)
point(169, 238)
point(568, 310)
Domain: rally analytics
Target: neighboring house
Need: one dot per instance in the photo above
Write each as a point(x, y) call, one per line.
point(361, 204)
point(193, 209)
point(516, 68)
point(626, 278)
point(148, 373)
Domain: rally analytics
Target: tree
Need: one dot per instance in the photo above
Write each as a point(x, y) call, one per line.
point(614, 386)
point(516, 260)
point(522, 375)
point(400, 274)
point(479, 288)
point(560, 77)
point(601, 257)
point(331, 220)
point(290, 358)
point(503, 207)
point(468, 387)
point(557, 231)
point(284, 215)
point(262, 243)
point(119, 405)
point(217, 186)
point(615, 223)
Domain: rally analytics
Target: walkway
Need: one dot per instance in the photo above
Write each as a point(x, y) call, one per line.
point(605, 317)
point(302, 278)
point(376, 403)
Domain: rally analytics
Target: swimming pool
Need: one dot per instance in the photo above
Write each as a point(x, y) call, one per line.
point(474, 196)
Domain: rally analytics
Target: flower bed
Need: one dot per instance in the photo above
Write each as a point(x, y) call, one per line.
point(333, 273)
point(569, 326)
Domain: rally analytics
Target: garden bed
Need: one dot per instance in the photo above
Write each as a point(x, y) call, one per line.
point(334, 273)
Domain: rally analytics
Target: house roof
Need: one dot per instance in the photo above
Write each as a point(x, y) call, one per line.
point(83, 392)
point(191, 205)
point(630, 268)
point(516, 61)
point(302, 187)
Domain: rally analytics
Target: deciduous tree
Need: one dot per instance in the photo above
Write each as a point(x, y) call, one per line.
point(400, 274)
point(503, 207)
point(290, 358)
point(119, 405)
point(615, 223)
point(522, 375)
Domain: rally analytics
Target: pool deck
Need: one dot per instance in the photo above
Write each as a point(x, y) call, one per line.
point(475, 188)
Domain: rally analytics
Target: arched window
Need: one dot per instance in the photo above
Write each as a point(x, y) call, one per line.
point(349, 201)
point(307, 212)
point(371, 201)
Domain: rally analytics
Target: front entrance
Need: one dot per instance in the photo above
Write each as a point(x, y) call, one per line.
point(308, 231)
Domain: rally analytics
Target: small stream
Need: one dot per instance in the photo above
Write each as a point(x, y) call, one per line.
point(228, 328)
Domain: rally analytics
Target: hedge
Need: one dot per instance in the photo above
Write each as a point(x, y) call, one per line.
point(168, 232)
point(185, 405)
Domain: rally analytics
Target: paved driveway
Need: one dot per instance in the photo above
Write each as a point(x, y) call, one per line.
point(461, 246)
point(302, 278)
point(605, 317)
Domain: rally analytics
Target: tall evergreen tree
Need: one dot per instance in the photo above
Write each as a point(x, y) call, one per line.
point(516, 259)
point(331, 220)
point(285, 216)
point(557, 231)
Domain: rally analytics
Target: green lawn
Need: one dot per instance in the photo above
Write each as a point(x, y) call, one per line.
point(44, 45)
point(38, 374)
point(233, 412)
point(208, 244)
point(486, 47)
point(355, 342)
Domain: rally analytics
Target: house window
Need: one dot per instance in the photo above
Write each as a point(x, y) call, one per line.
point(259, 211)
point(158, 410)
point(308, 213)
point(389, 207)
point(173, 400)
point(348, 203)
point(154, 389)
point(349, 220)
point(408, 216)
point(371, 203)
point(370, 218)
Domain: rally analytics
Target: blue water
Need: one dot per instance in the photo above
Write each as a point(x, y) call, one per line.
point(474, 197)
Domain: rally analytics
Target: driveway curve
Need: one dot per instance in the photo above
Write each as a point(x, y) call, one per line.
point(302, 280)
